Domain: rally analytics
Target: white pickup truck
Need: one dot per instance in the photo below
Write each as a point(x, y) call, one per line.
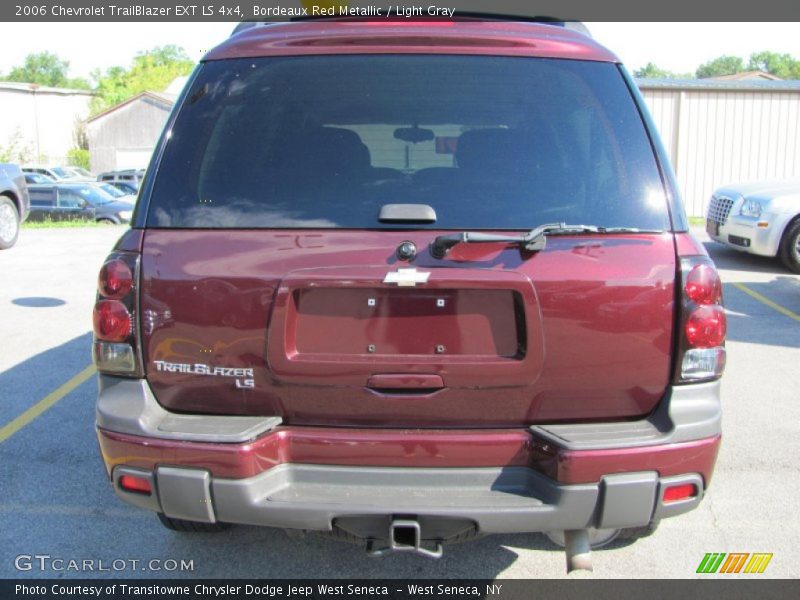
point(761, 217)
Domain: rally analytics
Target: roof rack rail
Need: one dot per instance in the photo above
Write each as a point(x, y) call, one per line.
point(577, 26)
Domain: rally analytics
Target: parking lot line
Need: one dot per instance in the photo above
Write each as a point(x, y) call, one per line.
point(37, 409)
point(767, 301)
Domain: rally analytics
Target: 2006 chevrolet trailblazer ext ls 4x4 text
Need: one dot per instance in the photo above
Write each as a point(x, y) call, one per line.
point(410, 283)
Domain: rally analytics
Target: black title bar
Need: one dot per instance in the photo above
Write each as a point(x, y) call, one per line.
point(277, 10)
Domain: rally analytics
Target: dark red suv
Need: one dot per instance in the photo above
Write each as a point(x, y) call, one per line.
point(410, 283)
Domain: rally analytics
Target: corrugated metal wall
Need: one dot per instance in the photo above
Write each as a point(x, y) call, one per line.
point(129, 130)
point(716, 137)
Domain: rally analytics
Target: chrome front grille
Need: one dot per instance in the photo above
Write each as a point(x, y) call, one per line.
point(719, 209)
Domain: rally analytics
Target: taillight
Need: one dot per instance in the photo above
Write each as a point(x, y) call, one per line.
point(114, 318)
point(112, 321)
point(703, 285)
point(701, 351)
point(705, 327)
point(115, 280)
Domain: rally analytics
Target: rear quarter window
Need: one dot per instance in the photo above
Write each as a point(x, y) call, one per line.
point(488, 142)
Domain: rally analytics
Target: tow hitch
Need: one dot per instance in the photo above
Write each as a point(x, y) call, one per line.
point(405, 535)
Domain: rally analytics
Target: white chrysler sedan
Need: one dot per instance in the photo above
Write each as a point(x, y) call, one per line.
point(760, 217)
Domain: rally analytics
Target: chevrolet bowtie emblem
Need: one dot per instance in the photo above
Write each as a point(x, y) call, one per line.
point(406, 277)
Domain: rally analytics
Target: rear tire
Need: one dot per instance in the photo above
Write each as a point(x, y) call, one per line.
point(9, 223)
point(106, 221)
point(790, 246)
point(191, 526)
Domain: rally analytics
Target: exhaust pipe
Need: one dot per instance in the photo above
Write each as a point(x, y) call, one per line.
point(578, 550)
point(405, 535)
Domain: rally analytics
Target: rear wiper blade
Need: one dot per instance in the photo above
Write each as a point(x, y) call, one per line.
point(533, 241)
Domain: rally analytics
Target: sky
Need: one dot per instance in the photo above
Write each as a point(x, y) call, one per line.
point(678, 47)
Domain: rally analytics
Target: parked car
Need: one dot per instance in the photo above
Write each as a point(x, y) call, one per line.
point(78, 201)
point(34, 178)
point(115, 192)
point(81, 172)
point(761, 217)
point(128, 176)
point(14, 204)
point(366, 307)
point(56, 173)
point(124, 186)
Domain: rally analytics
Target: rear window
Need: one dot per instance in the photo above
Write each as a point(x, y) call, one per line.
point(488, 142)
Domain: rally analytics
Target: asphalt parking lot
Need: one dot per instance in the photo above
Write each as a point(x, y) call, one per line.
point(56, 501)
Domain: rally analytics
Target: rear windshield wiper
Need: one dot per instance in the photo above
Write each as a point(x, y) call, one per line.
point(533, 241)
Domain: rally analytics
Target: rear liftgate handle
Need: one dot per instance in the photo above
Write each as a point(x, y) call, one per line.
point(410, 382)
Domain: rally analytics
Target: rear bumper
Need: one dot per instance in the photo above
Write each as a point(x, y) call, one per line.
point(490, 500)
point(253, 470)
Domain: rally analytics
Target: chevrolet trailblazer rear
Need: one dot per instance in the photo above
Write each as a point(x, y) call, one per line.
point(410, 284)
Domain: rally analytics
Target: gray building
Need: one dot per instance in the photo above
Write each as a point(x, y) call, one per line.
point(38, 123)
point(123, 136)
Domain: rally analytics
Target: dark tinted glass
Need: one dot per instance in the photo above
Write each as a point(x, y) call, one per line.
point(38, 178)
point(91, 193)
point(488, 142)
point(111, 190)
point(42, 197)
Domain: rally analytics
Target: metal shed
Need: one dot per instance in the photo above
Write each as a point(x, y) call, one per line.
point(123, 136)
point(718, 132)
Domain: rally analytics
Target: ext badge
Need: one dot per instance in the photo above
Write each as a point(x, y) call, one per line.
point(407, 277)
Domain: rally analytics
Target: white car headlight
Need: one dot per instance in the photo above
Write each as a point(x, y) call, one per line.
point(125, 214)
point(750, 208)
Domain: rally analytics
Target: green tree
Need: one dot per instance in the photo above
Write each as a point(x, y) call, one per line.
point(723, 65)
point(780, 65)
point(653, 71)
point(78, 157)
point(45, 68)
point(153, 70)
